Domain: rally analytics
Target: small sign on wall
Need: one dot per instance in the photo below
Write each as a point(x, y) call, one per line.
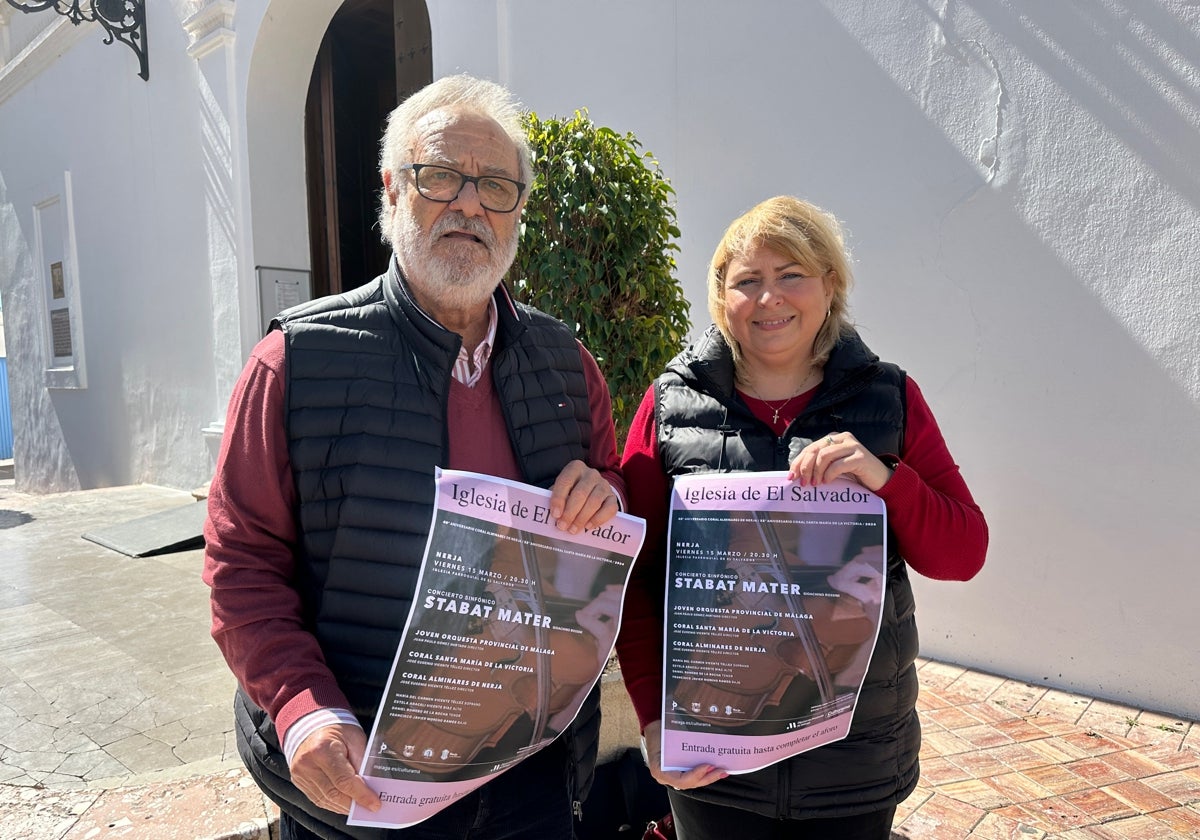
point(280, 289)
point(63, 324)
point(58, 287)
point(60, 333)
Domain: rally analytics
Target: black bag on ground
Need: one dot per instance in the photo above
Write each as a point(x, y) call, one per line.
point(624, 799)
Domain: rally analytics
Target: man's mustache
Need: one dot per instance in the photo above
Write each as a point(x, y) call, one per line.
point(460, 222)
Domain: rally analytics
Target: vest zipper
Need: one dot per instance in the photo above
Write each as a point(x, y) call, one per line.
point(781, 452)
point(781, 801)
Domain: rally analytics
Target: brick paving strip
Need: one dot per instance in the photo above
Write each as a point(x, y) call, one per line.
point(219, 806)
point(1004, 759)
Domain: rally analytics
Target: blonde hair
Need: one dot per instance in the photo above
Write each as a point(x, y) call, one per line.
point(802, 232)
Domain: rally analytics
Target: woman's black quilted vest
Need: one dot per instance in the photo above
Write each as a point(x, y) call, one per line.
point(704, 427)
point(368, 378)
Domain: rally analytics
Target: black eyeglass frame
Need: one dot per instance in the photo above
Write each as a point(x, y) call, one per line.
point(466, 179)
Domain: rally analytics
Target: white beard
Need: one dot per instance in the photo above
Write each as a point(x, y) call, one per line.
point(455, 279)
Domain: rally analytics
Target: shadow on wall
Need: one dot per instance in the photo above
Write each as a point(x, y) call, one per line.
point(1114, 63)
point(23, 302)
point(1056, 387)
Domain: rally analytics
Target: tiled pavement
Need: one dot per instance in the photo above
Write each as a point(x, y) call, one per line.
point(115, 713)
point(1004, 759)
point(106, 665)
point(115, 705)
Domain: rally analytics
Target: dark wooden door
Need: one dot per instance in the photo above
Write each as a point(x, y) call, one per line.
point(374, 53)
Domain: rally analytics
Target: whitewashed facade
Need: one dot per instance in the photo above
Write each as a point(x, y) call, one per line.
point(1021, 181)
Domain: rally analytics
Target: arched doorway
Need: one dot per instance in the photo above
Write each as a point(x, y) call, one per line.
point(349, 98)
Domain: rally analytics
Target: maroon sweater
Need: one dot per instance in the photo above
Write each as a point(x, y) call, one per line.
point(251, 532)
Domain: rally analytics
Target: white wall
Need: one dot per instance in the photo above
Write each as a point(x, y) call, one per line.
point(138, 187)
point(279, 64)
point(1021, 184)
point(1070, 387)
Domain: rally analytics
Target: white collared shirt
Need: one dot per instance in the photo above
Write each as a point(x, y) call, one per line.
point(462, 365)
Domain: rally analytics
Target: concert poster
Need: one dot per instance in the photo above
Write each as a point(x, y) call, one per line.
point(774, 597)
point(512, 624)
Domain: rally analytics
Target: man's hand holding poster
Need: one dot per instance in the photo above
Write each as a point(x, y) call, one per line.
point(773, 605)
point(512, 624)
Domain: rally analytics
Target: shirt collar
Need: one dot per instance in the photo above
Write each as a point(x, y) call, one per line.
point(483, 353)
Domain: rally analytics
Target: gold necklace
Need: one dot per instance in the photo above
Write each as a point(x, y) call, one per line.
point(776, 409)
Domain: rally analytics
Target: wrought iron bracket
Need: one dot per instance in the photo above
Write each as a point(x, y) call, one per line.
point(123, 20)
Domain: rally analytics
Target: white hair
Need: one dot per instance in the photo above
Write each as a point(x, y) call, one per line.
point(461, 92)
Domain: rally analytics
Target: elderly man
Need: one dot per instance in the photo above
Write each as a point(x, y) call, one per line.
point(322, 500)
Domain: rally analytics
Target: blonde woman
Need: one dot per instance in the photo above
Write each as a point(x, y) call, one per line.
point(781, 381)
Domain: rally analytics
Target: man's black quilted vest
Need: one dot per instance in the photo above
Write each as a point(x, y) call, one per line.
point(367, 387)
point(704, 427)
point(368, 378)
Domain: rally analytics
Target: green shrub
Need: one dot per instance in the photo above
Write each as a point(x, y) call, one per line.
point(597, 251)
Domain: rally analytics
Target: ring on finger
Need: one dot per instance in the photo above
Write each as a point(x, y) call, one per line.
point(829, 440)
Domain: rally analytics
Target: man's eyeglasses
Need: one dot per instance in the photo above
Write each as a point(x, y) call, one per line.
point(441, 183)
